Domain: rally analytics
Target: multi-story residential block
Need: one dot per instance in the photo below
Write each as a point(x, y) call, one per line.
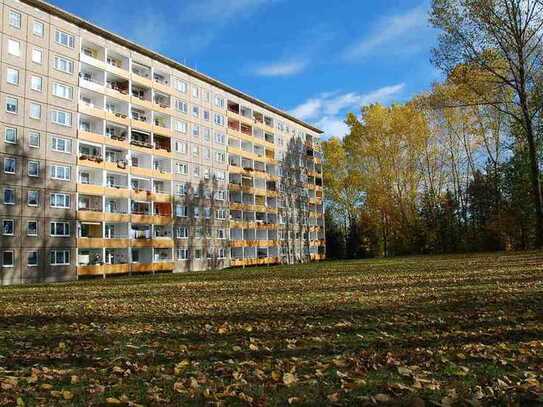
point(115, 159)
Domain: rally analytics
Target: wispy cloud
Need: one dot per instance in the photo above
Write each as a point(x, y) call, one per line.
point(327, 111)
point(405, 33)
point(284, 68)
point(195, 23)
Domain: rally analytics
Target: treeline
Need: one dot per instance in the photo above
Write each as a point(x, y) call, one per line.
point(456, 169)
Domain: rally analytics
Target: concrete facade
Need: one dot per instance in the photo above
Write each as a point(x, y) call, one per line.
point(118, 160)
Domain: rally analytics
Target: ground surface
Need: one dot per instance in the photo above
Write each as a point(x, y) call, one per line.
point(422, 330)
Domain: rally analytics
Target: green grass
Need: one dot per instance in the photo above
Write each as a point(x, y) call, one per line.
point(449, 330)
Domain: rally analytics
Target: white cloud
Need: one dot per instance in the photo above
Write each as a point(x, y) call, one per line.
point(399, 34)
point(195, 24)
point(285, 68)
point(327, 111)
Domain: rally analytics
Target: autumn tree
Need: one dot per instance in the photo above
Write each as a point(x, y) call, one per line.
point(504, 39)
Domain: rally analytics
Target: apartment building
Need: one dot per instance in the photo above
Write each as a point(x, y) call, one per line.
point(118, 160)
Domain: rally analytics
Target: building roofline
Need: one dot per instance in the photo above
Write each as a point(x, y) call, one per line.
point(93, 28)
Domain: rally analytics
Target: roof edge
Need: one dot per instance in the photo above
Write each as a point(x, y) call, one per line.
point(93, 28)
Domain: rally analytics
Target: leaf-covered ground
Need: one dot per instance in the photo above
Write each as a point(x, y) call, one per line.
point(417, 331)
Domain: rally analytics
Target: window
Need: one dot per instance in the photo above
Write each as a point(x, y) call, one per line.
point(181, 233)
point(32, 198)
point(64, 65)
point(220, 157)
point(36, 83)
point(218, 119)
point(10, 165)
point(181, 86)
point(182, 168)
point(60, 229)
point(63, 91)
point(182, 254)
point(195, 130)
point(10, 135)
point(12, 76)
point(37, 56)
point(61, 145)
point(197, 254)
point(195, 92)
point(59, 257)
point(58, 200)
point(220, 195)
point(32, 228)
point(220, 138)
point(196, 212)
point(206, 115)
point(221, 213)
point(207, 212)
point(34, 139)
point(14, 48)
point(180, 126)
point(60, 172)
point(12, 105)
point(181, 211)
point(8, 258)
point(219, 102)
point(15, 19)
point(35, 111)
point(221, 234)
point(221, 253)
point(196, 171)
point(32, 258)
point(181, 147)
point(33, 168)
point(195, 111)
point(61, 117)
point(9, 196)
point(64, 38)
point(8, 227)
point(195, 151)
point(220, 175)
point(181, 106)
point(181, 189)
point(38, 28)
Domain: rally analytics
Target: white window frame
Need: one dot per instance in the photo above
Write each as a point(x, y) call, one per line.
point(36, 80)
point(28, 229)
point(65, 39)
point(66, 172)
point(35, 110)
point(63, 64)
point(38, 33)
point(13, 131)
point(56, 114)
point(53, 200)
point(34, 134)
point(7, 221)
point(65, 255)
point(7, 202)
point(65, 226)
point(14, 73)
point(10, 100)
point(31, 163)
point(37, 198)
point(15, 19)
point(35, 53)
point(14, 47)
point(67, 145)
point(63, 91)
point(15, 166)
point(12, 258)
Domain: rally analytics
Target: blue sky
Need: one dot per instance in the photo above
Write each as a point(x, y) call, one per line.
point(317, 59)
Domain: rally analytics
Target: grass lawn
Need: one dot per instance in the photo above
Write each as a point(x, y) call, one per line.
point(451, 330)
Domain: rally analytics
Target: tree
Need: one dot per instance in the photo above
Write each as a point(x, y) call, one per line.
point(503, 38)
